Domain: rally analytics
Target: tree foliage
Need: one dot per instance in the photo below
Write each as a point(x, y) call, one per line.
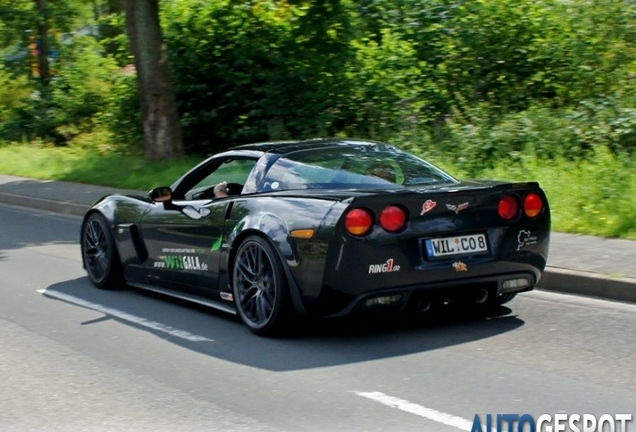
point(477, 79)
point(250, 71)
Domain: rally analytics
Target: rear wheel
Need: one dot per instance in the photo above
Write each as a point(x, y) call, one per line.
point(259, 286)
point(99, 253)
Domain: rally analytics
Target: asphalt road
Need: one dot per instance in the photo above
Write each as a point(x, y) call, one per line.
point(74, 358)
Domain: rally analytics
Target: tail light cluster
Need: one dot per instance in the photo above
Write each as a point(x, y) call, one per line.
point(359, 221)
point(510, 206)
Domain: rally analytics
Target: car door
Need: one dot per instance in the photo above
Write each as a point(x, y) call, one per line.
point(185, 237)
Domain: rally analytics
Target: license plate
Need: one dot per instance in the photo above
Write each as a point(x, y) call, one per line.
point(460, 245)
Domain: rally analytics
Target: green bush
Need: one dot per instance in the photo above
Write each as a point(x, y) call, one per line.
point(121, 114)
point(480, 140)
point(82, 81)
point(14, 93)
point(254, 71)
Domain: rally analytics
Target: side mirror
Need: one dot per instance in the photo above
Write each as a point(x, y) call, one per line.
point(161, 194)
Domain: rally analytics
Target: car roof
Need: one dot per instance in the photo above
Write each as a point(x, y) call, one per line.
point(285, 147)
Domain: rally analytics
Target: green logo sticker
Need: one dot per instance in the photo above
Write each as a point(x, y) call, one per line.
point(217, 244)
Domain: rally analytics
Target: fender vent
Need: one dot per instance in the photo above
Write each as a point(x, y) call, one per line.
point(140, 248)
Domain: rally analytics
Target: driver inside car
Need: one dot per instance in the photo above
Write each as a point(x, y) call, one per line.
point(221, 190)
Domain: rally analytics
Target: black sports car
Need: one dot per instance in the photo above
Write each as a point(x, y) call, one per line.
point(321, 227)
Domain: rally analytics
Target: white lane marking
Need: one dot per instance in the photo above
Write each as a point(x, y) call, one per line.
point(419, 410)
point(125, 316)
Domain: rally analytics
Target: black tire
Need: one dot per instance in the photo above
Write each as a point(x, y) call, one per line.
point(100, 255)
point(259, 286)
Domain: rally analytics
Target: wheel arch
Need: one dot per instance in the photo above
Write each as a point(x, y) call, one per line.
point(113, 276)
point(294, 289)
point(122, 212)
point(88, 214)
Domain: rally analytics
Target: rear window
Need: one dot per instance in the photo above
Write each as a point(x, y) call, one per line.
point(350, 168)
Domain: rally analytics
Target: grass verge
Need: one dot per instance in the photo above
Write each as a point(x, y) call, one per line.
point(595, 197)
point(90, 166)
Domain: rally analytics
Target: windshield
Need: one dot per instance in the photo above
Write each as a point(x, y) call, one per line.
point(350, 168)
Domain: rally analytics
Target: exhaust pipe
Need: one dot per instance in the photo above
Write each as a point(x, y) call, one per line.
point(424, 304)
point(481, 296)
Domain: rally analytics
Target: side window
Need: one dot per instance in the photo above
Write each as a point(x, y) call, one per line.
point(232, 171)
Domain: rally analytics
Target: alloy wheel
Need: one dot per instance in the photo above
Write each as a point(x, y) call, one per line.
point(256, 284)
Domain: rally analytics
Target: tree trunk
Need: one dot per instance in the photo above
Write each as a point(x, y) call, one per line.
point(162, 131)
point(42, 41)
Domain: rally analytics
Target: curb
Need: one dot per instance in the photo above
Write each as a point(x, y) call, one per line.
point(588, 284)
point(64, 207)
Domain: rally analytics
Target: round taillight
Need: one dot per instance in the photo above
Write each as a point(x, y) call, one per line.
point(358, 221)
point(393, 219)
point(533, 205)
point(508, 207)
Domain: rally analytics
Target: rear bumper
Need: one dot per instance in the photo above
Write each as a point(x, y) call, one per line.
point(400, 298)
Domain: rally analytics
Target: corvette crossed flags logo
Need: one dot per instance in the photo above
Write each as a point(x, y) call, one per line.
point(457, 208)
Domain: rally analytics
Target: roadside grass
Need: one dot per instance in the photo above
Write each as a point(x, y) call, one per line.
point(595, 197)
point(90, 166)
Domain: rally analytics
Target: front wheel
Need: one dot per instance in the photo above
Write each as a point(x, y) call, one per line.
point(99, 253)
point(259, 286)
